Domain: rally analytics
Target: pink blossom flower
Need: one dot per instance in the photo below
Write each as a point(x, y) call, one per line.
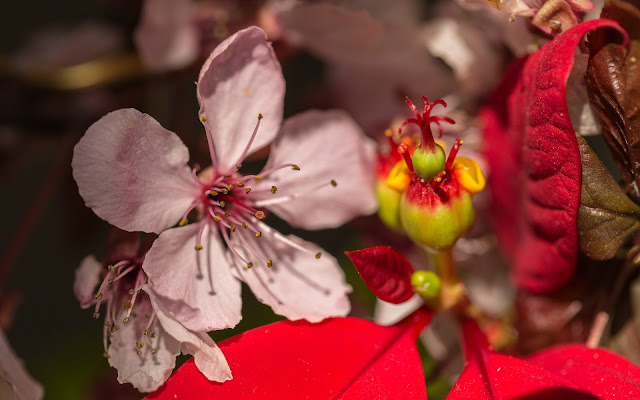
point(140, 339)
point(15, 381)
point(134, 174)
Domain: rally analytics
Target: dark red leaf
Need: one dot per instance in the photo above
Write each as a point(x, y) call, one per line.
point(534, 163)
point(340, 358)
point(600, 372)
point(385, 271)
point(563, 373)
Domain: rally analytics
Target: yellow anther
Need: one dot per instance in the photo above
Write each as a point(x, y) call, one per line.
point(97, 296)
point(224, 191)
point(318, 254)
point(139, 344)
point(273, 189)
point(203, 118)
point(258, 234)
point(247, 190)
point(257, 178)
point(334, 183)
point(233, 228)
point(153, 351)
point(238, 166)
point(249, 265)
point(227, 214)
point(240, 184)
point(213, 193)
point(96, 315)
point(127, 304)
point(217, 219)
point(183, 222)
point(229, 186)
point(110, 268)
point(126, 320)
point(138, 352)
point(468, 174)
point(260, 214)
point(131, 291)
point(222, 204)
point(198, 247)
point(269, 263)
point(388, 133)
point(399, 178)
point(145, 332)
point(295, 167)
point(244, 225)
point(259, 116)
point(153, 335)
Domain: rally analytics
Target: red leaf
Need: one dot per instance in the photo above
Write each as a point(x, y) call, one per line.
point(598, 371)
point(491, 375)
point(534, 161)
point(340, 358)
point(385, 271)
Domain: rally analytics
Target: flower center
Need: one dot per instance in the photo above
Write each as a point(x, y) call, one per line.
point(121, 290)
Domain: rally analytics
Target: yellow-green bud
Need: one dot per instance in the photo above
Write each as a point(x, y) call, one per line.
point(427, 284)
point(428, 163)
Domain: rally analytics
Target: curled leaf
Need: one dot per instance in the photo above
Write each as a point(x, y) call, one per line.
point(386, 272)
point(607, 217)
point(535, 164)
point(339, 358)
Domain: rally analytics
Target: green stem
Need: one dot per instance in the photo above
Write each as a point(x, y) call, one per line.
point(445, 266)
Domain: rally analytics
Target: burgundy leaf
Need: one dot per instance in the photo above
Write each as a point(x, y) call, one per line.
point(562, 373)
point(340, 358)
point(613, 84)
point(386, 272)
point(534, 162)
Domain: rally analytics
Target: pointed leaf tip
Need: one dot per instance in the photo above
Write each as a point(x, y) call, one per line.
point(386, 272)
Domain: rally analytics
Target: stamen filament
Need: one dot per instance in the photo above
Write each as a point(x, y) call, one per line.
point(246, 149)
point(452, 154)
point(282, 199)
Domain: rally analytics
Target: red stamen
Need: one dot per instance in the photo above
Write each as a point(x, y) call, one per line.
point(424, 121)
point(452, 154)
point(403, 149)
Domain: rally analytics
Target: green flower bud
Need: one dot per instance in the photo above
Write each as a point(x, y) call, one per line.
point(428, 163)
point(389, 205)
point(438, 224)
point(427, 284)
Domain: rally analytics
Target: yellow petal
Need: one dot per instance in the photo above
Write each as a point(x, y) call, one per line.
point(468, 174)
point(399, 177)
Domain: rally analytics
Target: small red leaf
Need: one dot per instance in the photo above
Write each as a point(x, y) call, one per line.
point(340, 358)
point(563, 373)
point(385, 271)
point(534, 161)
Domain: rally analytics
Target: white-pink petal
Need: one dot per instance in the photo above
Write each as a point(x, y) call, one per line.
point(148, 372)
point(15, 381)
point(298, 285)
point(207, 355)
point(195, 286)
point(241, 79)
point(133, 173)
point(86, 281)
point(326, 145)
point(167, 37)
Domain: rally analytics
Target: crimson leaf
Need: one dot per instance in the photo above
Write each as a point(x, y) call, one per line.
point(385, 271)
point(534, 161)
point(562, 373)
point(339, 358)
